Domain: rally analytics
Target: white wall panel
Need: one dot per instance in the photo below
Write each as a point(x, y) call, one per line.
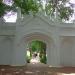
point(6, 47)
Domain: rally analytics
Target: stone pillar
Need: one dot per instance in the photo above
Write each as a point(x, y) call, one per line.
point(48, 52)
point(56, 52)
point(19, 48)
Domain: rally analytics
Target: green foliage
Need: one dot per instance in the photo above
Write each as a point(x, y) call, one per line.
point(39, 47)
point(36, 46)
point(59, 5)
point(43, 58)
point(50, 8)
point(28, 58)
point(35, 6)
point(27, 6)
point(4, 8)
point(65, 13)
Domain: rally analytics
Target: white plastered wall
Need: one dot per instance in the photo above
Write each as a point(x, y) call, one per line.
point(6, 48)
point(36, 28)
point(59, 37)
point(67, 51)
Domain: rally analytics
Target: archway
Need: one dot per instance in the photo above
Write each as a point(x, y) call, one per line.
point(36, 52)
point(28, 38)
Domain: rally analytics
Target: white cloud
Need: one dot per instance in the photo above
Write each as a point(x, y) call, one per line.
point(8, 2)
point(10, 17)
point(72, 1)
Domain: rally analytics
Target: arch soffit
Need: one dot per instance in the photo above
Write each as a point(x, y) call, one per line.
point(38, 36)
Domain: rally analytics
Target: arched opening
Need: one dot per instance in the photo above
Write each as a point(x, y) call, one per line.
point(36, 52)
point(37, 36)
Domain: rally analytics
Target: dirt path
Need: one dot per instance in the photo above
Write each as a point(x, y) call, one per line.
point(35, 69)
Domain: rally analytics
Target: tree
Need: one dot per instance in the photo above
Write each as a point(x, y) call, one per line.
point(39, 47)
point(52, 7)
point(59, 7)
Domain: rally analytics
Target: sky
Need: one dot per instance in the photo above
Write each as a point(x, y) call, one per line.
point(73, 16)
point(12, 16)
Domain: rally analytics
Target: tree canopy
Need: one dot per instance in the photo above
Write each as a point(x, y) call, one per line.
point(50, 7)
point(38, 47)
